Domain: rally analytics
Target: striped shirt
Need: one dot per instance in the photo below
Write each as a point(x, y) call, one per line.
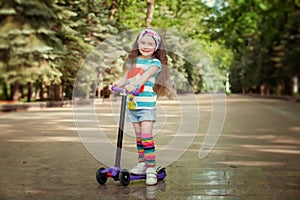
point(147, 97)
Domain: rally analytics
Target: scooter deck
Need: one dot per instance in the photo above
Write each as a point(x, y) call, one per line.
point(114, 172)
point(160, 176)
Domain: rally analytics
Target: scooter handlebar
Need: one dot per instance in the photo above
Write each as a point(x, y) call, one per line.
point(118, 89)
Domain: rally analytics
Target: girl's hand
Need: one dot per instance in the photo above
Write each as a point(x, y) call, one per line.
point(115, 84)
point(130, 88)
point(118, 84)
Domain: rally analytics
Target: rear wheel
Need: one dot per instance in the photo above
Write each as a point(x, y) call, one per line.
point(101, 177)
point(163, 172)
point(124, 177)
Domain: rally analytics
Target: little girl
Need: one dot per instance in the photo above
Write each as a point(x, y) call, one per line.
point(146, 69)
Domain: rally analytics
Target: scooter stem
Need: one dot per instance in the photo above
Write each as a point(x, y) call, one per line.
point(121, 130)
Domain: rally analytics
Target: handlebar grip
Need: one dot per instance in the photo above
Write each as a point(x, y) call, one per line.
point(117, 89)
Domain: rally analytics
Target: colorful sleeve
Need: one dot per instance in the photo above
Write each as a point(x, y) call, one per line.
point(156, 63)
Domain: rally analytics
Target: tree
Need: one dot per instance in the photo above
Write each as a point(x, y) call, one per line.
point(84, 26)
point(260, 35)
point(150, 10)
point(30, 49)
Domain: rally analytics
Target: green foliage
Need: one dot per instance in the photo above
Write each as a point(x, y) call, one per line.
point(265, 39)
point(47, 42)
point(29, 48)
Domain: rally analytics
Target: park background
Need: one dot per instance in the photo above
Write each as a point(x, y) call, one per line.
point(43, 44)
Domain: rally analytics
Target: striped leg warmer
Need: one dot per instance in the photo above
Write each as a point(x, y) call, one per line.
point(149, 150)
point(140, 147)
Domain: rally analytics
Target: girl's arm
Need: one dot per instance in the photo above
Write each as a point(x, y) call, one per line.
point(149, 73)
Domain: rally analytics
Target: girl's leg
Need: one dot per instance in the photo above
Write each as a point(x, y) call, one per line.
point(140, 168)
point(148, 143)
point(139, 143)
point(149, 152)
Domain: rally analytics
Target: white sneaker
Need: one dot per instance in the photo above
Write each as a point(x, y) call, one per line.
point(151, 178)
point(139, 169)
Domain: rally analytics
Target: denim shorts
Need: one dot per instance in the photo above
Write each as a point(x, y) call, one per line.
point(141, 115)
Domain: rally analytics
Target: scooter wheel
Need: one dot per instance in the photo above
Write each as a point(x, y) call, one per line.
point(162, 171)
point(101, 178)
point(124, 177)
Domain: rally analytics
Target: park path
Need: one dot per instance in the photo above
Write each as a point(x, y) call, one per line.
point(256, 156)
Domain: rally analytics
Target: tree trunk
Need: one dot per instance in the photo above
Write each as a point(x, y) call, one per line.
point(5, 91)
point(50, 92)
point(22, 91)
point(56, 92)
point(263, 90)
point(244, 89)
point(42, 91)
point(150, 11)
point(15, 91)
point(29, 93)
point(124, 5)
point(113, 9)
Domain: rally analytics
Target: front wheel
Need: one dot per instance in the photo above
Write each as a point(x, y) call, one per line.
point(101, 177)
point(124, 177)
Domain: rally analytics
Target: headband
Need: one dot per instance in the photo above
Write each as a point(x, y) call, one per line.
point(151, 33)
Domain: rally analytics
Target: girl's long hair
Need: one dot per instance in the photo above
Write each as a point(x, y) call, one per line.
point(162, 83)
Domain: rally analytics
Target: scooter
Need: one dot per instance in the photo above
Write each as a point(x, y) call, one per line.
point(115, 172)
